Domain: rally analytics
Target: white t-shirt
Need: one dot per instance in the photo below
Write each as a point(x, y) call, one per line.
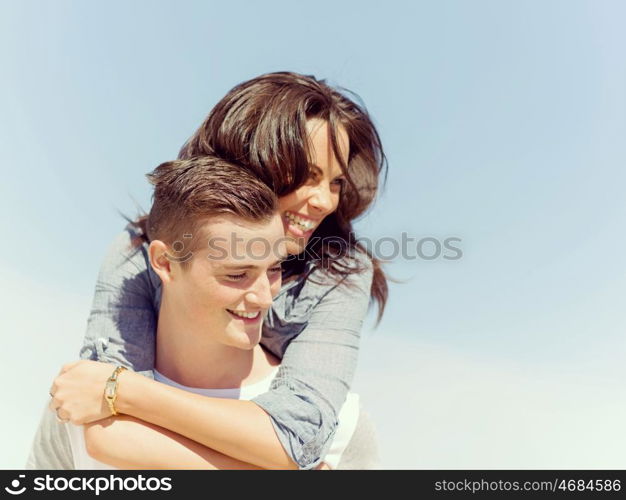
point(347, 421)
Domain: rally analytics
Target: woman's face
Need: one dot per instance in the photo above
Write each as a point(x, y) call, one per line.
point(303, 210)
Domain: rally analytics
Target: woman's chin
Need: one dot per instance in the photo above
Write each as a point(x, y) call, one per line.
point(295, 246)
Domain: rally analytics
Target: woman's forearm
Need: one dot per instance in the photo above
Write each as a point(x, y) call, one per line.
point(235, 428)
point(128, 443)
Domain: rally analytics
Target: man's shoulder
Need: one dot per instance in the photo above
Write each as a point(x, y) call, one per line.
point(51, 448)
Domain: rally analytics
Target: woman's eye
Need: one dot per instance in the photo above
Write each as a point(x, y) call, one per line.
point(339, 182)
point(276, 269)
point(314, 176)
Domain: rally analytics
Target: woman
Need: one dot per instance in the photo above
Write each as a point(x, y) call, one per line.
point(322, 156)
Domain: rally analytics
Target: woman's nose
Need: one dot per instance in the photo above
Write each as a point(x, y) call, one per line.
point(321, 198)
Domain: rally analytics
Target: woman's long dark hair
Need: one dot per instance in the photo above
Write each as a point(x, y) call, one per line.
point(261, 125)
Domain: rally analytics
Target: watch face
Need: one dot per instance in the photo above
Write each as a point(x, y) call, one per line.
point(109, 390)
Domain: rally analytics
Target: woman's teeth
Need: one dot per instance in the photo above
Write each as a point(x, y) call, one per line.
point(303, 224)
point(248, 315)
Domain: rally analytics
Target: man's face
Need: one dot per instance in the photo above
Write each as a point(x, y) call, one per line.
point(228, 286)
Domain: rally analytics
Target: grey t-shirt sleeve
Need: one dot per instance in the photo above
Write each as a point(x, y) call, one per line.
point(51, 448)
point(317, 370)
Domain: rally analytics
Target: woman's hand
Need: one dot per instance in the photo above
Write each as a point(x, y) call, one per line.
point(78, 392)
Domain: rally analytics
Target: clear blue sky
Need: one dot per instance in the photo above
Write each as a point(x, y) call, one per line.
point(504, 124)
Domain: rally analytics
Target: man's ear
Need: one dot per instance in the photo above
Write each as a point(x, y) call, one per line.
point(159, 260)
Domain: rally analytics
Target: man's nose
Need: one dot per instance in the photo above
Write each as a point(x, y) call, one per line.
point(261, 294)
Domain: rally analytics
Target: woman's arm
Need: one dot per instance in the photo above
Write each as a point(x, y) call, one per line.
point(128, 443)
point(236, 428)
point(239, 429)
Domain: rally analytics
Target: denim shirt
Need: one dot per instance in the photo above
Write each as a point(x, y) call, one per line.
point(313, 326)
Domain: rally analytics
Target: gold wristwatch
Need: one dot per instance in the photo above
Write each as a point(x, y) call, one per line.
point(110, 390)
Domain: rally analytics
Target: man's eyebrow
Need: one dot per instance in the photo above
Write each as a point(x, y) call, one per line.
point(252, 266)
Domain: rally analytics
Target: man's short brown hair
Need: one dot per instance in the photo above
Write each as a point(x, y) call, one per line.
point(187, 192)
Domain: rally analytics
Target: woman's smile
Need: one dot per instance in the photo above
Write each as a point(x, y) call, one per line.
point(298, 224)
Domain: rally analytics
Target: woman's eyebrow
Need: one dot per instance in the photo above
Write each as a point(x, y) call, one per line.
point(313, 165)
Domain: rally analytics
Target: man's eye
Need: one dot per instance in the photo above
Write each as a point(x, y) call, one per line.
point(276, 269)
point(236, 277)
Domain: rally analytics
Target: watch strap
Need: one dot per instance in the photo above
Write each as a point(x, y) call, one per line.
point(110, 389)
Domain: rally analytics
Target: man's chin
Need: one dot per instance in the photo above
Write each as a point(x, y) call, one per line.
point(247, 346)
point(246, 341)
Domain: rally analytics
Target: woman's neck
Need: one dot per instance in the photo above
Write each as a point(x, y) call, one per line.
point(192, 359)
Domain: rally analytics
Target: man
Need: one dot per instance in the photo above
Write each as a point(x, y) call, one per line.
point(216, 243)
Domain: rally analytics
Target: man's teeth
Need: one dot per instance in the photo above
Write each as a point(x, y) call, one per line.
point(304, 224)
point(242, 314)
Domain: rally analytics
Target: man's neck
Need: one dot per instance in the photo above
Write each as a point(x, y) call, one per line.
point(192, 359)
